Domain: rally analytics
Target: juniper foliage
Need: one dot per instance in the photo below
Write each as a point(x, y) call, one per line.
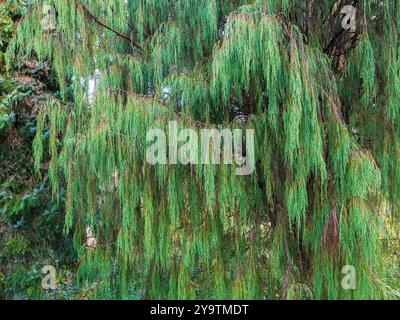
point(324, 103)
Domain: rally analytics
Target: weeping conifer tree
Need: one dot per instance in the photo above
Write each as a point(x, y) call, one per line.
point(323, 101)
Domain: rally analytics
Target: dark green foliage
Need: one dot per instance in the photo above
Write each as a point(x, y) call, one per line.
point(31, 224)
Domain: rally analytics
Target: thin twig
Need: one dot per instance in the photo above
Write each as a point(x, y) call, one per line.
point(119, 34)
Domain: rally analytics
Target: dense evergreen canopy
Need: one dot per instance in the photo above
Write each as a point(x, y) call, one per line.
point(324, 103)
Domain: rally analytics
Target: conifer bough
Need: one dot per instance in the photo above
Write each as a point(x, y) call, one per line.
point(324, 103)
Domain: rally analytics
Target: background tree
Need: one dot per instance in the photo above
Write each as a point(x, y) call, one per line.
point(324, 102)
point(31, 224)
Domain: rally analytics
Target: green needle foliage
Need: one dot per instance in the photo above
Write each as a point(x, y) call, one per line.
point(324, 103)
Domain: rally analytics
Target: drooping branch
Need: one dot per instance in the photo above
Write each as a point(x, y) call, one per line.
point(98, 21)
